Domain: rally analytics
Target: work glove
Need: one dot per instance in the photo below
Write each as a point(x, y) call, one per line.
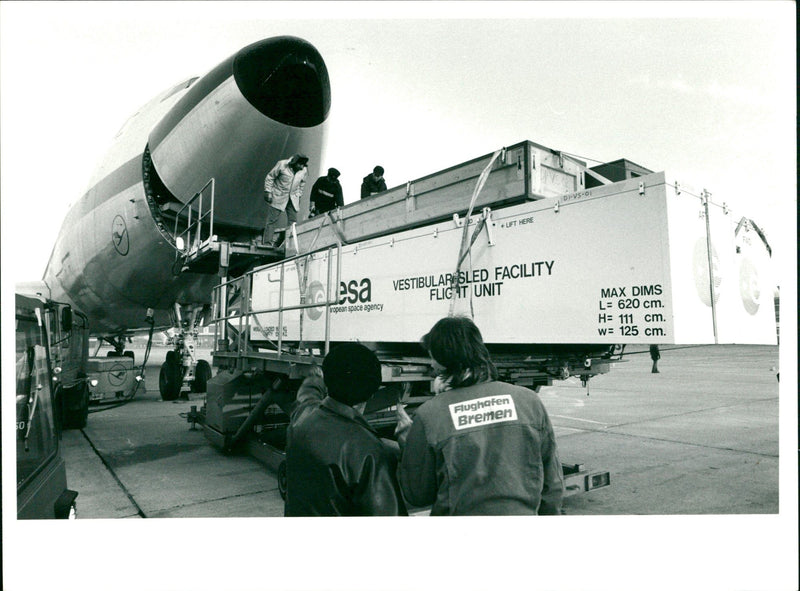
point(404, 423)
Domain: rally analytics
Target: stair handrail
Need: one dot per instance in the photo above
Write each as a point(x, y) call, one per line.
point(192, 244)
point(246, 314)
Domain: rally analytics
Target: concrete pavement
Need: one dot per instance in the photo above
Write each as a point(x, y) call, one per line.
point(701, 437)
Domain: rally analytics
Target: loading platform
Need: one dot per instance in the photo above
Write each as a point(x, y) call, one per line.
point(237, 257)
point(198, 249)
point(522, 172)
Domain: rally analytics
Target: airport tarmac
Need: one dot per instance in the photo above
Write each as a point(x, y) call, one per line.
point(698, 438)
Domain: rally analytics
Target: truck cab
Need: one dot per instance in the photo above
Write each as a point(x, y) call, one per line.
point(68, 331)
point(42, 491)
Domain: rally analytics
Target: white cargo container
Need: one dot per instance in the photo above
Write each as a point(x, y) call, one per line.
point(622, 263)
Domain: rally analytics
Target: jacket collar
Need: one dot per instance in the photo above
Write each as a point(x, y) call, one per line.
point(345, 411)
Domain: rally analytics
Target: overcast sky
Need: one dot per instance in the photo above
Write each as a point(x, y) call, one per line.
point(709, 100)
point(706, 92)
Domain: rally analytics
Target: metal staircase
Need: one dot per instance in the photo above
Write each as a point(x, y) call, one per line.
point(200, 250)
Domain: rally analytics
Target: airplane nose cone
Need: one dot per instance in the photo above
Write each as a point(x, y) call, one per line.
point(286, 79)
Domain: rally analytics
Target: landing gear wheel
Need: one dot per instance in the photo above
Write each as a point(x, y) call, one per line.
point(282, 480)
point(75, 407)
point(202, 373)
point(170, 380)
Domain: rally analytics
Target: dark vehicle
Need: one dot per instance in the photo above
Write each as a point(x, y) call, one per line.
point(68, 330)
point(42, 491)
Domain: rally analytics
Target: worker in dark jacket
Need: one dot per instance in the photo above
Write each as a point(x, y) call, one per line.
point(373, 182)
point(655, 355)
point(326, 194)
point(335, 462)
point(479, 447)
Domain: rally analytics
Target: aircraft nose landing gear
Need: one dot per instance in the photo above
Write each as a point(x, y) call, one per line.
point(170, 378)
point(181, 364)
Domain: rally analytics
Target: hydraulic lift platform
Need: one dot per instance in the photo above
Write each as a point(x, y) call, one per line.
point(237, 257)
point(199, 249)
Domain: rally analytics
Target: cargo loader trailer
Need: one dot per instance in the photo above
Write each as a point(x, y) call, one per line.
point(558, 282)
point(248, 409)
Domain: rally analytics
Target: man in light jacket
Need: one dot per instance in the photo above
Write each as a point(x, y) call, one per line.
point(283, 188)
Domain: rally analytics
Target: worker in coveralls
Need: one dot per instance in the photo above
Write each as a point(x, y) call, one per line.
point(326, 194)
point(335, 462)
point(283, 188)
point(479, 447)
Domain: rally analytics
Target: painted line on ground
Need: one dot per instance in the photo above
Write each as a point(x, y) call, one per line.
point(577, 419)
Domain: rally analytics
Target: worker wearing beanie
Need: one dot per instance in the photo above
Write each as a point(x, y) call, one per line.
point(335, 462)
point(326, 194)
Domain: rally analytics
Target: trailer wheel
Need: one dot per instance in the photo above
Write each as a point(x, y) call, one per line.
point(170, 380)
point(74, 406)
point(282, 480)
point(128, 353)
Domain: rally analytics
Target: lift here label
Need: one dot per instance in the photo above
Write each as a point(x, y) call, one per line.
point(483, 411)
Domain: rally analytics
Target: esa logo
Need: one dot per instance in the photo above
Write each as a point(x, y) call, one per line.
point(354, 292)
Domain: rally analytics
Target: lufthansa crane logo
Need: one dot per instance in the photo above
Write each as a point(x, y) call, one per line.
point(119, 235)
point(117, 374)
